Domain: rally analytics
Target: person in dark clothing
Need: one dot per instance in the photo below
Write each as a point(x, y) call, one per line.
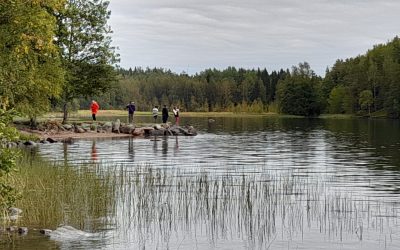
point(165, 114)
point(131, 110)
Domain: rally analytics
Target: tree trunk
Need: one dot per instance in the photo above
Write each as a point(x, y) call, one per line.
point(33, 123)
point(65, 111)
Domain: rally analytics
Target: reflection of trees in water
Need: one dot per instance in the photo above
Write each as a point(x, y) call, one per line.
point(254, 209)
point(370, 145)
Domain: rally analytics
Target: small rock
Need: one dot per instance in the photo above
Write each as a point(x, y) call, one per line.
point(51, 140)
point(107, 127)
point(45, 231)
point(14, 211)
point(79, 129)
point(86, 127)
point(67, 126)
point(12, 229)
point(30, 143)
point(127, 129)
point(93, 127)
point(211, 120)
point(158, 132)
point(158, 127)
point(12, 145)
point(138, 132)
point(23, 230)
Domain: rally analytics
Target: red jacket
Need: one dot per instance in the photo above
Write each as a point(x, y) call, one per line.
point(94, 107)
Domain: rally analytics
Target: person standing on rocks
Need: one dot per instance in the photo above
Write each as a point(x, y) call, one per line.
point(165, 114)
point(94, 107)
point(131, 110)
point(155, 113)
point(176, 114)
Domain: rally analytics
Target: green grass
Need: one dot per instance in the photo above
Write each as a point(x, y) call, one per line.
point(52, 195)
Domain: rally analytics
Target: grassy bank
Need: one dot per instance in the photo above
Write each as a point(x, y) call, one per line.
point(52, 195)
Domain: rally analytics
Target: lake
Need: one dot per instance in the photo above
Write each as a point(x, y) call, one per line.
point(242, 183)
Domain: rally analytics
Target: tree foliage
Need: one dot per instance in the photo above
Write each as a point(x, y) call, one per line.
point(378, 72)
point(30, 68)
point(298, 93)
point(231, 89)
point(84, 41)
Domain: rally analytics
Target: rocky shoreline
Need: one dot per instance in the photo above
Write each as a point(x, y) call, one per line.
point(55, 131)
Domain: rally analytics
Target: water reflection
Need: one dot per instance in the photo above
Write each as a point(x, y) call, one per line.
point(131, 149)
point(93, 153)
point(164, 147)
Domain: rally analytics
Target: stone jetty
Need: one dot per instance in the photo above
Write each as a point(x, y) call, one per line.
point(55, 131)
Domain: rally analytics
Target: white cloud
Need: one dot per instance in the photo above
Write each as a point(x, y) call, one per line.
point(194, 35)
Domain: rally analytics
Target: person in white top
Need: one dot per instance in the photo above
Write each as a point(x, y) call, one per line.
point(155, 113)
point(176, 114)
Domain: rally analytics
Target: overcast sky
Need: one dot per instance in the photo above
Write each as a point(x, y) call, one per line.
point(192, 35)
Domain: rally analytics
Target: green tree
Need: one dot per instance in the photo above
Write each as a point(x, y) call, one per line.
point(336, 100)
point(366, 100)
point(30, 68)
point(298, 93)
point(84, 40)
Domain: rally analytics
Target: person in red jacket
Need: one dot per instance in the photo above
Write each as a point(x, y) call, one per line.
point(94, 107)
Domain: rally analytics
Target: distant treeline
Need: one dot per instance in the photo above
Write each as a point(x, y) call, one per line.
point(362, 85)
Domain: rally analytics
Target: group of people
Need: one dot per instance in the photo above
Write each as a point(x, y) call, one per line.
point(132, 108)
point(165, 114)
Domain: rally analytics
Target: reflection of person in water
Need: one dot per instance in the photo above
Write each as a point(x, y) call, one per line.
point(176, 149)
point(155, 146)
point(165, 146)
point(131, 151)
point(94, 151)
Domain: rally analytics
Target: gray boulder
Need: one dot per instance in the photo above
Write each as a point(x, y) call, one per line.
point(158, 132)
point(107, 127)
point(116, 126)
point(138, 132)
point(157, 127)
point(68, 126)
point(86, 126)
point(46, 232)
point(79, 129)
point(22, 230)
point(93, 127)
point(51, 140)
point(30, 143)
point(127, 129)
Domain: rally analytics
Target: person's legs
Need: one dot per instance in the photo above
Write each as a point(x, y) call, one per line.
point(130, 118)
point(94, 117)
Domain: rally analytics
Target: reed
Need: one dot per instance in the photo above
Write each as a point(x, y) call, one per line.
point(52, 195)
point(149, 207)
point(159, 205)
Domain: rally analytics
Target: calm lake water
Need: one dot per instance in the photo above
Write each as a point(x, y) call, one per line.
point(247, 183)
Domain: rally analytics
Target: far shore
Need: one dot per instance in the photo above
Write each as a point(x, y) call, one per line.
point(111, 113)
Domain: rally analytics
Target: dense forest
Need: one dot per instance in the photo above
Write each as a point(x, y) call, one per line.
point(363, 85)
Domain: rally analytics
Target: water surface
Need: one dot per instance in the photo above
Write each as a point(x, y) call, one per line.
point(249, 183)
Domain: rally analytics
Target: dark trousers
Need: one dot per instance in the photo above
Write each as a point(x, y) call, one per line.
point(130, 117)
point(164, 119)
point(94, 117)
